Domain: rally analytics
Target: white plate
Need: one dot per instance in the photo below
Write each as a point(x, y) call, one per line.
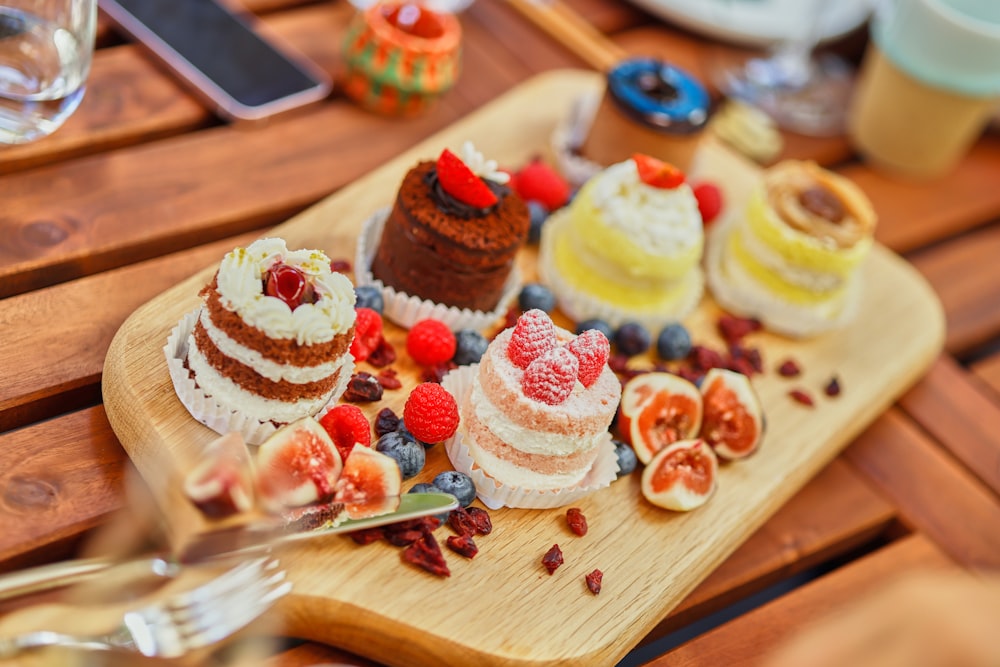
point(761, 22)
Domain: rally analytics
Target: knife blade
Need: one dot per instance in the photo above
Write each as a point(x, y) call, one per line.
point(227, 543)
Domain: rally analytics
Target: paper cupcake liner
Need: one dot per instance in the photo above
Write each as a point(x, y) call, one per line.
point(406, 310)
point(495, 495)
point(206, 409)
point(569, 134)
point(580, 306)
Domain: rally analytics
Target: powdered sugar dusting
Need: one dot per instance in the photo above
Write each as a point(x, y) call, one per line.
point(550, 378)
point(533, 335)
point(591, 348)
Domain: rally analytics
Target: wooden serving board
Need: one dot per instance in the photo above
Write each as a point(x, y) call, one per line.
point(503, 607)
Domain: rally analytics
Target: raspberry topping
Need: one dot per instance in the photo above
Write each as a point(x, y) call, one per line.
point(347, 426)
point(550, 378)
point(657, 173)
point(461, 182)
point(709, 201)
point(430, 413)
point(533, 335)
point(591, 348)
point(430, 342)
point(367, 333)
point(539, 182)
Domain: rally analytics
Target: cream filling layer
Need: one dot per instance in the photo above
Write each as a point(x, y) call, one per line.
point(265, 367)
point(227, 392)
point(512, 475)
point(524, 439)
point(812, 280)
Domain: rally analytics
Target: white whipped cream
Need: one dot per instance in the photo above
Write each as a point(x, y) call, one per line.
point(661, 220)
point(816, 281)
point(480, 166)
point(241, 288)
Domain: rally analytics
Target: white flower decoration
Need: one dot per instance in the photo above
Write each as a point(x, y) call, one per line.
point(482, 167)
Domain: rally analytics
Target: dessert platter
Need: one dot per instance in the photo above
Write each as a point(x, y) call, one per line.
point(509, 605)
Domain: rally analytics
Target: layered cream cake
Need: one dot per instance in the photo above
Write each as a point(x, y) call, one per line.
point(626, 249)
point(793, 259)
point(539, 424)
point(272, 338)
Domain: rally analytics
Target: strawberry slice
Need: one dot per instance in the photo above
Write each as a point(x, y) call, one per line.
point(462, 183)
point(657, 173)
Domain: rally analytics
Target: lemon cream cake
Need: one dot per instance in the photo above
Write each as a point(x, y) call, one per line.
point(793, 259)
point(273, 336)
point(540, 405)
point(628, 247)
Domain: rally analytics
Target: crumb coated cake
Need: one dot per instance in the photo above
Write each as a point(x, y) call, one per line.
point(628, 247)
point(792, 260)
point(540, 404)
point(453, 232)
point(272, 339)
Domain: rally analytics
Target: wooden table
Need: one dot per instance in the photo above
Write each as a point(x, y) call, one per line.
point(143, 186)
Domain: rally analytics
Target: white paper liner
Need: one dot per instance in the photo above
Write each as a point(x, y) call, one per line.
point(580, 306)
point(569, 134)
point(207, 410)
point(406, 310)
point(495, 495)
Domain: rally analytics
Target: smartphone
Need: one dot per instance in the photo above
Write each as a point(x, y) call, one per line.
point(225, 56)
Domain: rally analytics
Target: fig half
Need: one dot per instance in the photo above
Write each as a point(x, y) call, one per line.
point(296, 466)
point(733, 421)
point(681, 476)
point(222, 484)
point(658, 409)
point(370, 484)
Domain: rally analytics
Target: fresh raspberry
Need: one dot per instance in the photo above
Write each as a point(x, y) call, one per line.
point(430, 342)
point(533, 335)
point(591, 349)
point(657, 173)
point(709, 198)
point(539, 182)
point(430, 413)
point(550, 378)
point(367, 333)
point(347, 427)
point(462, 183)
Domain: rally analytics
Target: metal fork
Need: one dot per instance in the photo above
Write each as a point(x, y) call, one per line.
point(172, 627)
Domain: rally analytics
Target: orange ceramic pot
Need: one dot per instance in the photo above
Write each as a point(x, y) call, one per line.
point(400, 57)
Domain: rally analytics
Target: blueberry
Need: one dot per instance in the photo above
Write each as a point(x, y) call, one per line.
point(408, 453)
point(600, 325)
point(367, 296)
point(424, 487)
point(470, 345)
point(457, 484)
point(539, 214)
point(536, 295)
point(626, 458)
point(405, 432)
point(632, 338)
point(674, 342)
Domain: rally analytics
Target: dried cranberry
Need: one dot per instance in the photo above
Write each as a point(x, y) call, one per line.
point(363, 388)
point(386, 421)
point(733, 328)
point(704, 358)
point(436, 372)
point(480, 517)
point(388, 379)
point(617, 362)
point(383, 354)
point(740, 365)
point(367, 535)
point(577, 522)
point(594, 581)
point(461, 522)
point(789, 368)
point(801, 396)
point(340, 265)
point(462, 544)
point(426, 553)
point(402, 538)
point(552, 559)
point(832, 387)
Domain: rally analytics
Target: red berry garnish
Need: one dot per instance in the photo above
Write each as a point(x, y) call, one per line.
point(591, 348)
point(462, 183)
point(552, 559)
point(657, 173)
point(709, 198)
point(430, 342)
point(533, 335)
point(550, 378)
point(410, 18)
point(576, 521)
point(789, 368)
point(594, 581)
point(430, 413)
point(367, 333)
point(800, 396)
point(540, 182)
point(287, 283)
point(347, 427)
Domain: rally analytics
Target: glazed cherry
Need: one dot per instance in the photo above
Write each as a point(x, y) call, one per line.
point(288, 284)
point(411, 19)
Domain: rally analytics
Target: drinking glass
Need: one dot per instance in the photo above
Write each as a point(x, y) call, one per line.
point(801, 91)
point(45, 51)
